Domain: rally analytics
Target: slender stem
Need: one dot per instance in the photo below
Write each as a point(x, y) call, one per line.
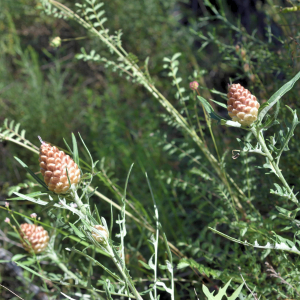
point(156, 251)
point(172, 284)
point(124, 274)
point(277, 171)
point(198, 122)
point(247, 172)
point(208, 122)
point(31, 148)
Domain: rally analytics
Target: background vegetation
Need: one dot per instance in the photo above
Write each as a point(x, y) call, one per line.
point(52, 93)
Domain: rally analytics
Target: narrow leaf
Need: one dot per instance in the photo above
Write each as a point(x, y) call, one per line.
point(75, 150)
point(41, 182)
point(277, 96)
point(209, 109)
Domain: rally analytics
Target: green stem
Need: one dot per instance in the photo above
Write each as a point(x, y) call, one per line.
point(277, 171)
point(78, 201)
point(124, 274)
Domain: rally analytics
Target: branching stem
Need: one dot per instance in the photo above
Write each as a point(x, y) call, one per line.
point(259, 136)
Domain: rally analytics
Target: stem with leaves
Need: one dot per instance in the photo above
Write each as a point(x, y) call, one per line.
point(257, 132)
point(143, 79)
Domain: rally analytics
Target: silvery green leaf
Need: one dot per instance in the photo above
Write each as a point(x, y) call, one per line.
point(159, 283)
point(150, 262)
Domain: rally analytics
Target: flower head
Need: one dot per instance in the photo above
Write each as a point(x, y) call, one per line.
point(34, 238)
point(56, 166)
point(242, 105)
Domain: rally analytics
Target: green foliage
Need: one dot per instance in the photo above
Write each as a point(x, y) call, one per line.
point(222, 292)
point(127, 93)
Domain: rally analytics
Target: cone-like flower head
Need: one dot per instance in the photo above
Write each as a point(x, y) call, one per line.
point(53, 163)
point(242, 105)
point(97, 237)
point(34, 235)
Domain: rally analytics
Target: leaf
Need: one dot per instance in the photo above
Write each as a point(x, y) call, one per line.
point(236, 293)
point(176, 55)
point(189, 262)
point(67, 296)
point(97, 6)
point(41, 182)
point(31, 271)
point(34, 194)
point(87, 150)
point(220, 294)
point(107, 292)
point(284, 245)
point(75, 150)
point(36, 201)
point(287, 213)
point(209, 109)
point(182, 265)
point(150, 262)
point(144, 265)
point(98, 263)
point(159, 283)
point(271, 121)
point(168, 250)
point(281, 191)
point(277, 96)
point(290, 129)
point(68, 147)
point(76, 231)
point(219, 103)
point(18, 257)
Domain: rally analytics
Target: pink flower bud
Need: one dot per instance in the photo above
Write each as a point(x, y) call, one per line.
point(6, 204)
point(34, 215)
point(194, 85)
point(7, 220)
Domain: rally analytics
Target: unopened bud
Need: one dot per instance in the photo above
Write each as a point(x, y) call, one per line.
point(246, 67)
point(243, 53)
point(194, 85)
point(55, 42)
point(34, 215)
point(252, 77)
point(98, 237)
